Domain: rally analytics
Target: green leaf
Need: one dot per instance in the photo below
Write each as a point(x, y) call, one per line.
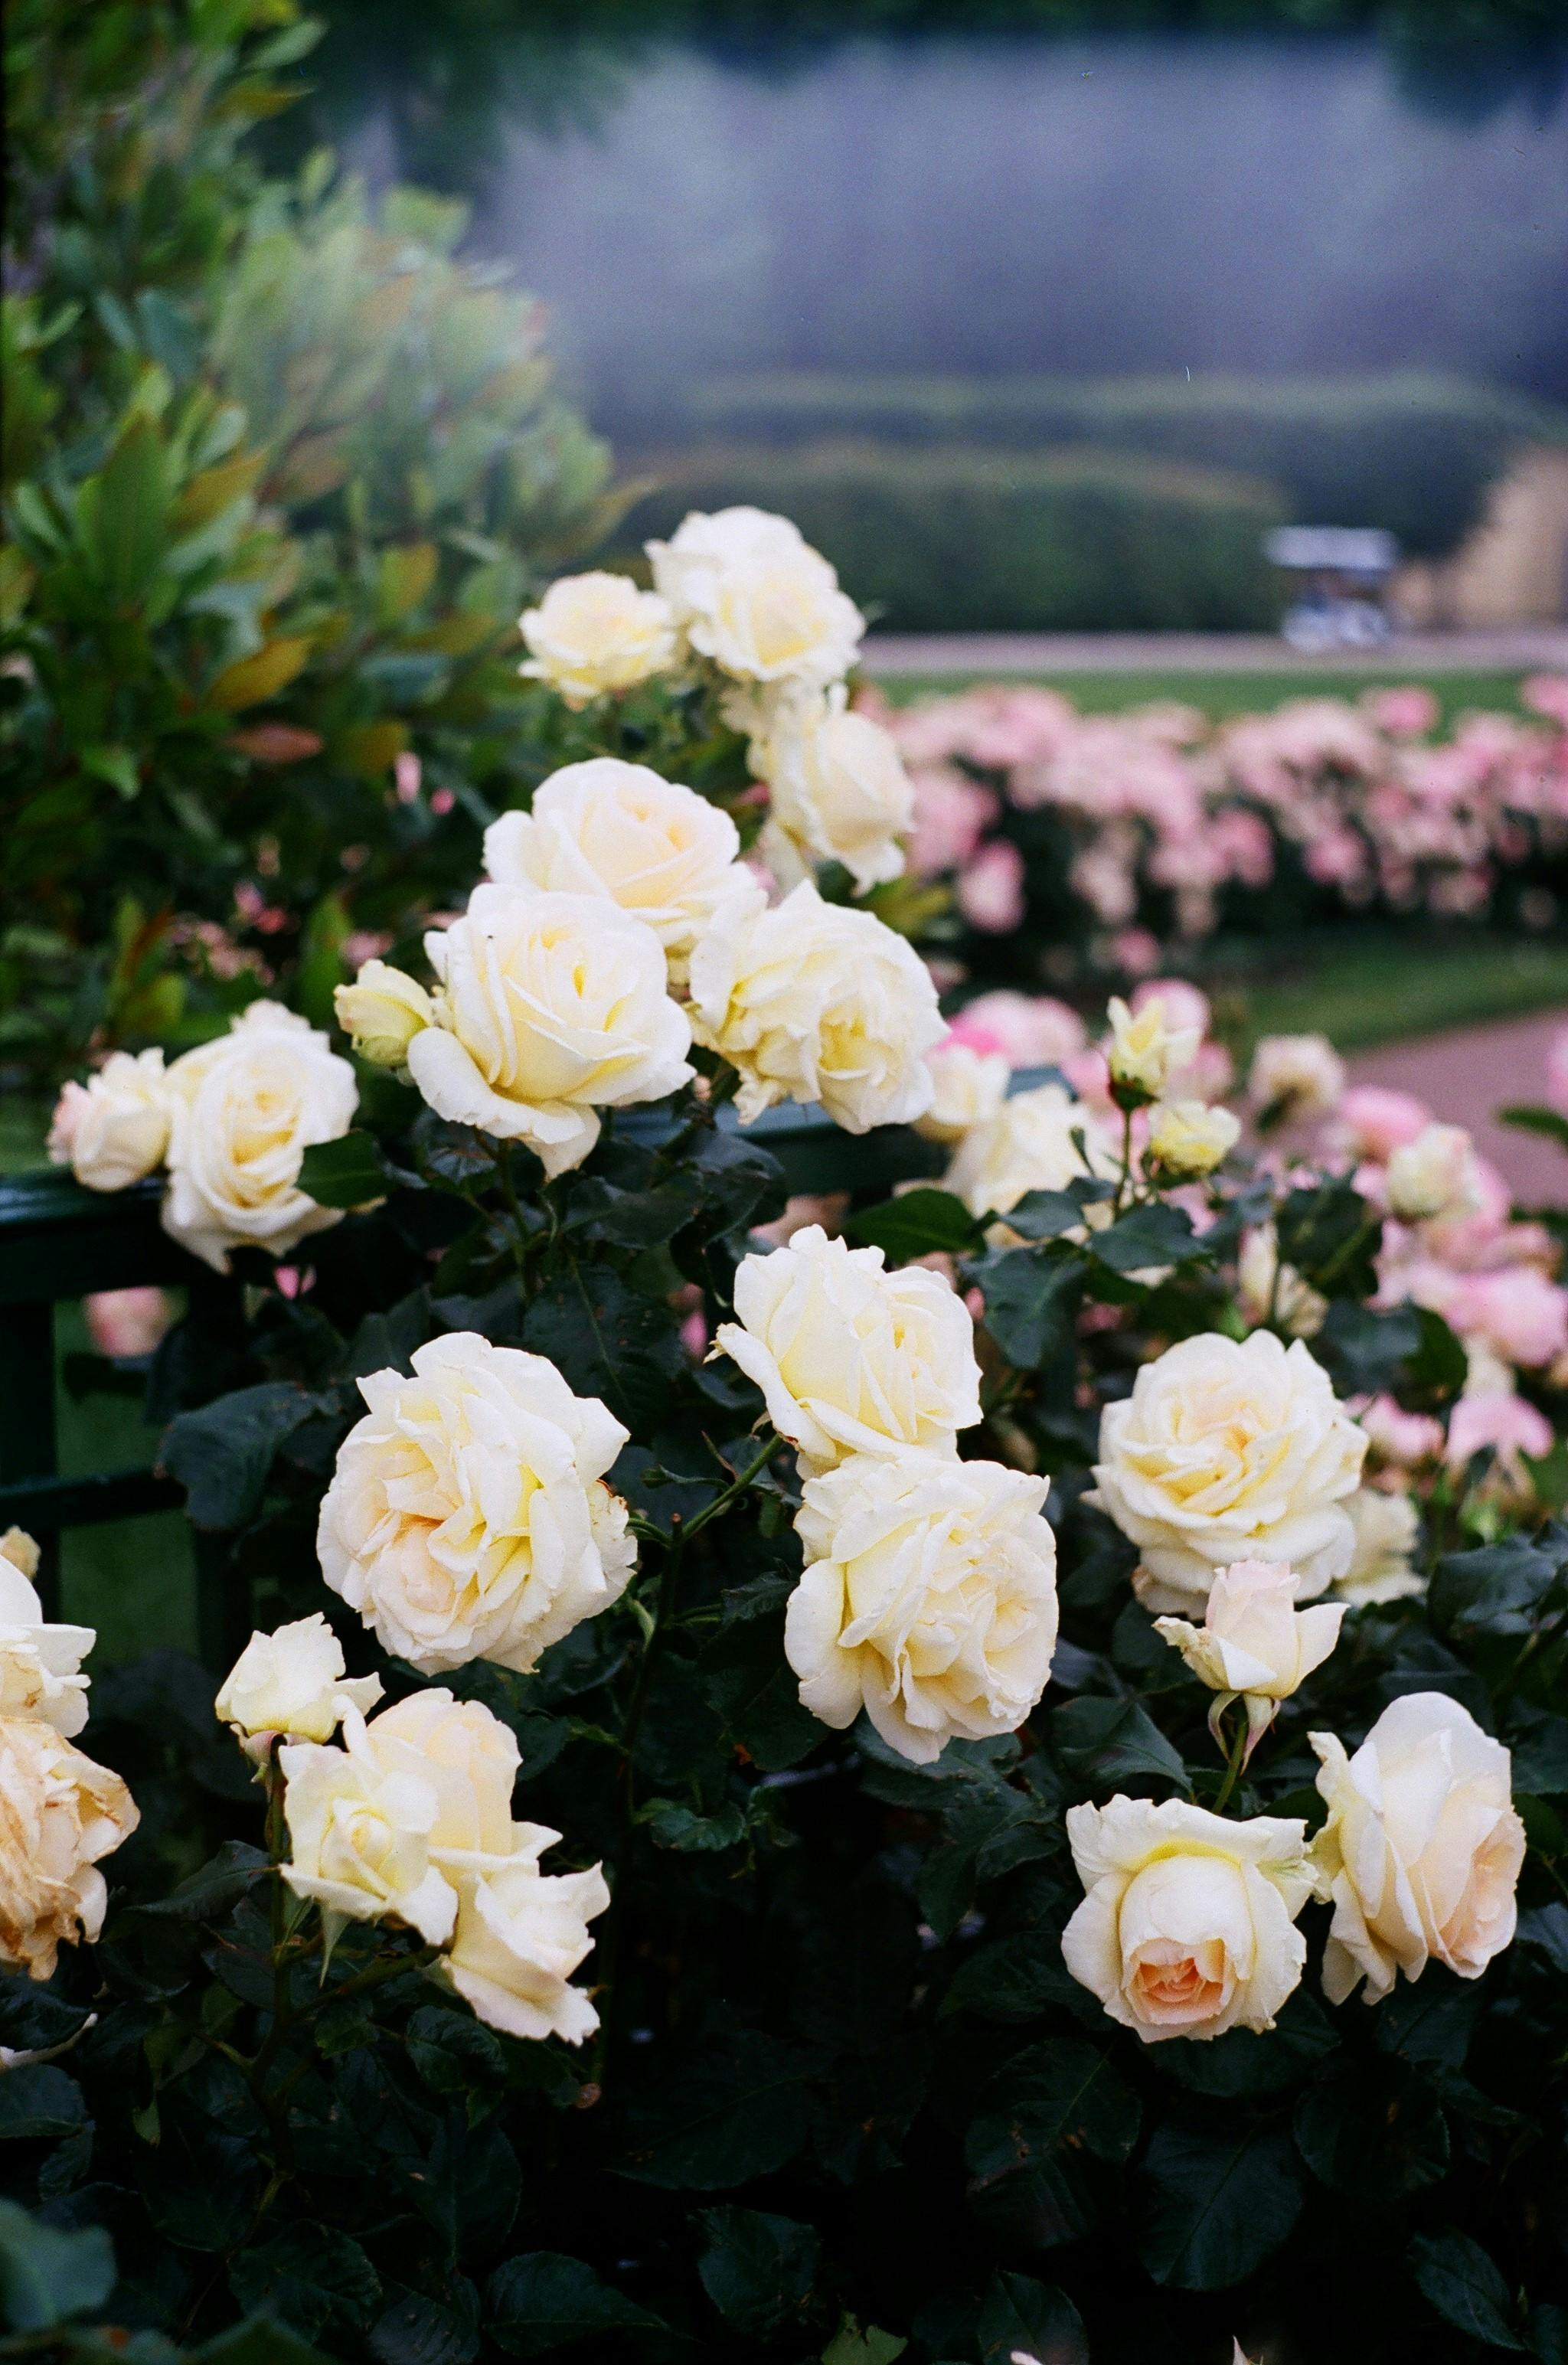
point(916, 1224)
point(1539, 1745)
point(733, 2104)
point(1530, 1118)
point(757, 2269)
point(261, 2340)
point(674, 1826)
point(1046, 1214)
point(1031, 1302)
point(124, 512)
point(418, 2328)
point(1237, 2063)
point(347, 1172)
point(753, 1687)
point(454, 2053)
point(1331, 1235)
point(1153, 1235)
point(1102, 1741)
point(1372, 2130)
point(38, 2099)
point(1018, 2313)
point(544, 2300)
point(223, 1454)
point(1465, 2287)
point(1042, 2113)
point(1218, 2205)
point(1492, 1590)
point(232, 1872)
point(851, 2345)
point(48, 2275)
point(117, 766)
point(309, 2277)
point(609, 1339)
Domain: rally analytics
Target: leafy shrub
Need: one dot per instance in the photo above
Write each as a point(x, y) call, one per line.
point(971, 540)
point(1412, 451)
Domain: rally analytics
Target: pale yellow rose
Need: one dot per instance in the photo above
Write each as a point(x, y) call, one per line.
point(1186, 1140)
point(619, 831)
point(968, 1090)
point(470, 1760)
point(1226, 1450)
point(1387, 1524)
point(1295, 1076)
point(1433, 1178)
point(1039, 1140)
point(595, 633)
point(246, 1108)
point(1188, 1923)
point(59, 1813)
point(1254, 1642)
point(751, 595)
point(1146, 1050)
point(358, 1836)
point(1422, 1849)
point(520, 1934)
point(813, 1002)
point(39, 1663)
point(382, 1012)
point(851, 1357)
point(112, 1130)
point(465, 1518)
point(550, 1008)
point(837, 784)
point(291, 1681)
point(928, 1598)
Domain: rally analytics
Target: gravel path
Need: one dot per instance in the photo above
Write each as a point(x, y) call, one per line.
point(1465, 1075)
point(1524, 646)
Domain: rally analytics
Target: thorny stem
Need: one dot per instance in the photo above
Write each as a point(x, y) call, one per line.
point(1124, 1181)
point(1234, 1766)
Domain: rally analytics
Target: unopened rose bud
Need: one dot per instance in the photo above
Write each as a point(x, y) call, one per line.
point(1145, 1050)
point(1186, 1140)
point(1254, 1642)
point(291, 1682)
point(383, 1011)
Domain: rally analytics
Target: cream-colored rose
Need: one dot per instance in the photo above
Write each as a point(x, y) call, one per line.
point(39, 1663)
point(814, 1002)
point(1040, 1141)
point(246, 1108)
point(1271, 1292)
point(752, 595)
point(59, 1813)
point(838, 785)
point(1144, 1051)
point(1386, 1527)
point(1186, 1140)
point(1188, 1923)
point(1228, 1451)
point(470, 1760)
point(465, 1518)
point(595, 633)
point(1422, 1849)
point(1254, 1643)
point(1433, 1177)
point(550, 1008)
point(291, 1681)
point(968, 1089)
point(605, 828)
point(358, 1836)
point(382, 1012)
point(928, 1598)
point(520, 1934)
point(1295, 1076)
point(112, 1130)
point(851, 1357)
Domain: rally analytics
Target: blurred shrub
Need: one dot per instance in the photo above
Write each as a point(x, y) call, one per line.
point(280, 472)
point(1412, 451)
point(955, 538)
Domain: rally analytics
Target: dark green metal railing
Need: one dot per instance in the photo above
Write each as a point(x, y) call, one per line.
point(59, 1243)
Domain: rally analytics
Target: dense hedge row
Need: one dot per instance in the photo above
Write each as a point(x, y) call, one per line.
point(1411, 450)
point(969, 539)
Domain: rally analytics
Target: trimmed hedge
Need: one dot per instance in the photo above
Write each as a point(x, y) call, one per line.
point(957, 539)
point(1411, 450)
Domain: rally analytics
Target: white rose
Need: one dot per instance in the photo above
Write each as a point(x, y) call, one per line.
point(1254, 1642)
point(1295, 1076)
point(605, 828)
point(112, 1130)
point(520, 1934)
point(59, 1814)
point(1040, 1141)
point(246, 1108)
point(1144, 1052)
point(929, 1598)
point(358, 1837)
point(291, 1681)
point(1187, 1926)
point(849, 1357)
point(382, 1012)
point(469, 1759)
point(1230, 1450)
point(1269, 1290)
point(1386, 1527)
point(466, 1519)
point(551, 1007)
point(1422, 1849)
point(838, 785)
point(968, 1089)
point(754, 597)
point(39, 1663)
point(815, 1002)
point(595, 633)
point(1187, 1139)
point(1433, 1176)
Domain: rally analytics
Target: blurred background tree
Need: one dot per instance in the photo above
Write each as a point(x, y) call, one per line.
point(280, 472)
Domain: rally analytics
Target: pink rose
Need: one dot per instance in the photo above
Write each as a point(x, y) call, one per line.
point(990, 889)
point(1405, 713)
point(1035, 1030)
point(1505, 1422)
point(1518, 1313)
point(1185, 1006)
point(1381, 1120)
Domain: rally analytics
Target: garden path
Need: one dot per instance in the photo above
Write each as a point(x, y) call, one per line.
point(1524, 646)
point(1466, 1075)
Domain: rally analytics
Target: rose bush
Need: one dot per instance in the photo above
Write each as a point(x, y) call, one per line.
point(971, 1773)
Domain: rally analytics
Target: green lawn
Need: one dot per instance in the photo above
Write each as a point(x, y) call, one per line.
point(1218, 695)
point(133, 1579)
point(1369, 985)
